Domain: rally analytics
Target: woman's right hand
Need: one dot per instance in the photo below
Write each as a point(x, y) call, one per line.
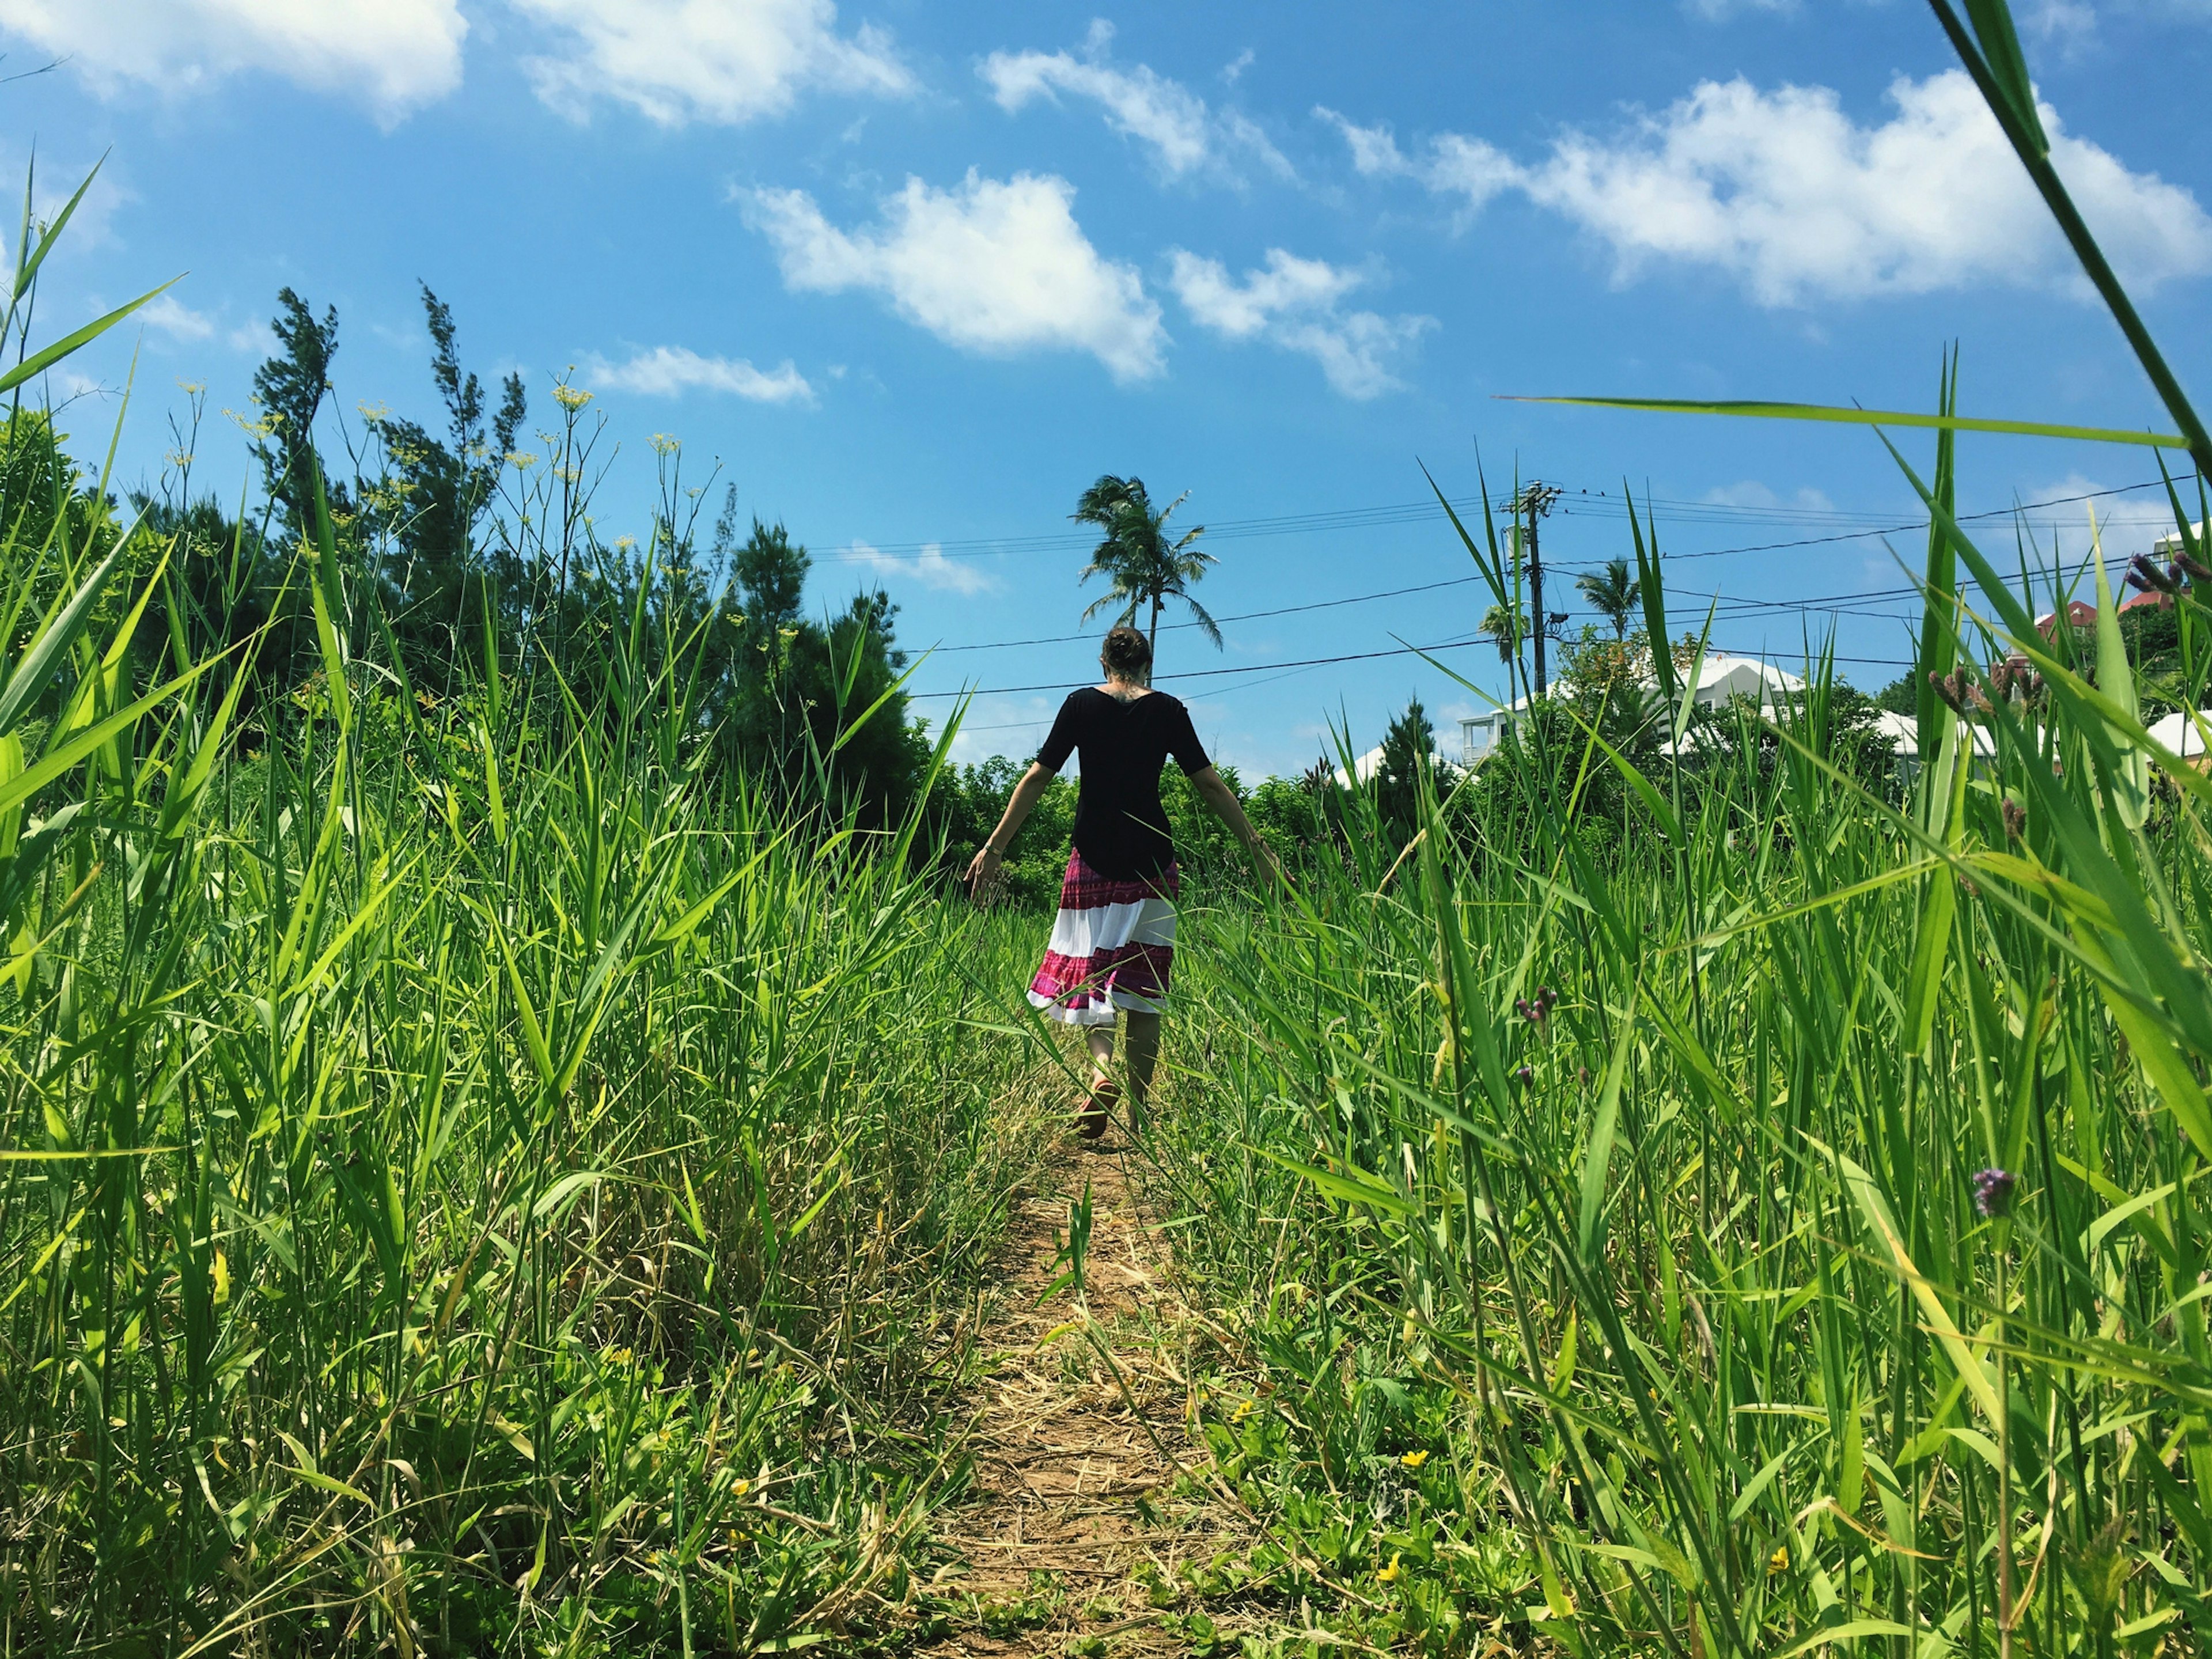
point(984, 871)
point(1264, 856)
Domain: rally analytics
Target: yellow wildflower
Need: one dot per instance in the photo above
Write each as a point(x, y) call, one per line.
point(1779, 1561)
point(1394, 1573)
point(1414, 1460)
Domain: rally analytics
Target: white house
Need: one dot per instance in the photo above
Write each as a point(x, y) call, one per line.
point(1363, 769)
point(1720, 677)
point(1366, 766)
point(1903, 730)
point(2179, 735)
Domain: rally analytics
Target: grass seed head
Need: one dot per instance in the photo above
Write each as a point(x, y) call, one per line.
point(1993, 1192)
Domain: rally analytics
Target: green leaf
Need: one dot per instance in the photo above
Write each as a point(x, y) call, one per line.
point(2116, 680)
point(2006, 66)
point(569, 1187)
point(1845, 1632)
point(1756, 1484)
point(1356, 1186)
point(38, 362)
point(56, 762)
point(1938, 1318)
point(1598, 1155)
point(49, 648)
point(1771, 411)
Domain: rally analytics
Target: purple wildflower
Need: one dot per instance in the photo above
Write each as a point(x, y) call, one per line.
point(1525, 1076)
point(1993, 1192)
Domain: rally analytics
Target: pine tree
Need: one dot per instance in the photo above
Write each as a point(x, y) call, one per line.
point(1409, 749)
point(290, 387)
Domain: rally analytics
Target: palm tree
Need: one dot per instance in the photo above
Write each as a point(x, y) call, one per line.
point(1505, 627)
point(1614, 594)
point(1141, 565)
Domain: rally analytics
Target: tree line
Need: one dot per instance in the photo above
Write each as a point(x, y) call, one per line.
point(468, 548)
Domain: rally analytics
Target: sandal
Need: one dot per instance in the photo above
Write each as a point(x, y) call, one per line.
point(1091, 1117)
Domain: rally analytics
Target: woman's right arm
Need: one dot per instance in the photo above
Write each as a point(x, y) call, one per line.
point(983, 870)
point(1213, 789)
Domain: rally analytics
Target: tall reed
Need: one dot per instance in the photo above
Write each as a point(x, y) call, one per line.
point(475, 1178)
point(1786, 1231)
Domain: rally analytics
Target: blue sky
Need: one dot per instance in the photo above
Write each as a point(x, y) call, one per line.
point(916, 275)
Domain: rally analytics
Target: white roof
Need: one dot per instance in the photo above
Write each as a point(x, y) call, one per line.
point(1363, 769)
point(2177, 734)
point(1720, 677)
point(1903, 729)
point(1368, 766)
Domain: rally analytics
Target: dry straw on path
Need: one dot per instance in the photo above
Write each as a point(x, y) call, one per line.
point(1081, 1513)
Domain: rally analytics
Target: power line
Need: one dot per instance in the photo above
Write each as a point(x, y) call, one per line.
point(1894, 529)
point(1598, 504)
point(1310, 662)
point(1211, 673)
point(1837, 604)
point(1247, 615)
point(1461, 581)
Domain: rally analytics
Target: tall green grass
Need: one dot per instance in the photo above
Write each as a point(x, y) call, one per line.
point(1604, 1246)
point(474, 1179)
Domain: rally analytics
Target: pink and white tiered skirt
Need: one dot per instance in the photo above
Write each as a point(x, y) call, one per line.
point(1113, 946)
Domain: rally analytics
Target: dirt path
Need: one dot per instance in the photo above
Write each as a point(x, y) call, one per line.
point(1075, 1474)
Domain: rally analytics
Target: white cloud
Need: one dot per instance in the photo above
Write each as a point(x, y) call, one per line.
point(723, 61)
point(2126, 524)
point(931, 569)
point(989, 266)
point(1453, 164)
point(171, 317)
point(672, 371)
point(1785, 191)
point(393, 55)
point(1293, 303)
point(2068, 22)
point(1184, 136)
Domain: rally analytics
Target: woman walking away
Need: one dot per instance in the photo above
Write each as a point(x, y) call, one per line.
point(1113, 943)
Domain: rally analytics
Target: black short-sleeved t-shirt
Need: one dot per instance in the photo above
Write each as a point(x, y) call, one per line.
point(1120, 827)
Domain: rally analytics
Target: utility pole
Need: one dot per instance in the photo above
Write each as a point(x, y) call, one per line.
point(1535, 500)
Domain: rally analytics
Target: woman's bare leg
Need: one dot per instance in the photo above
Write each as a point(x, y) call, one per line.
point(1100, 1041)
point(1143, 1049)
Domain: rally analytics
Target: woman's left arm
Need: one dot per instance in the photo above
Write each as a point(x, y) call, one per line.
point(1215, 791)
